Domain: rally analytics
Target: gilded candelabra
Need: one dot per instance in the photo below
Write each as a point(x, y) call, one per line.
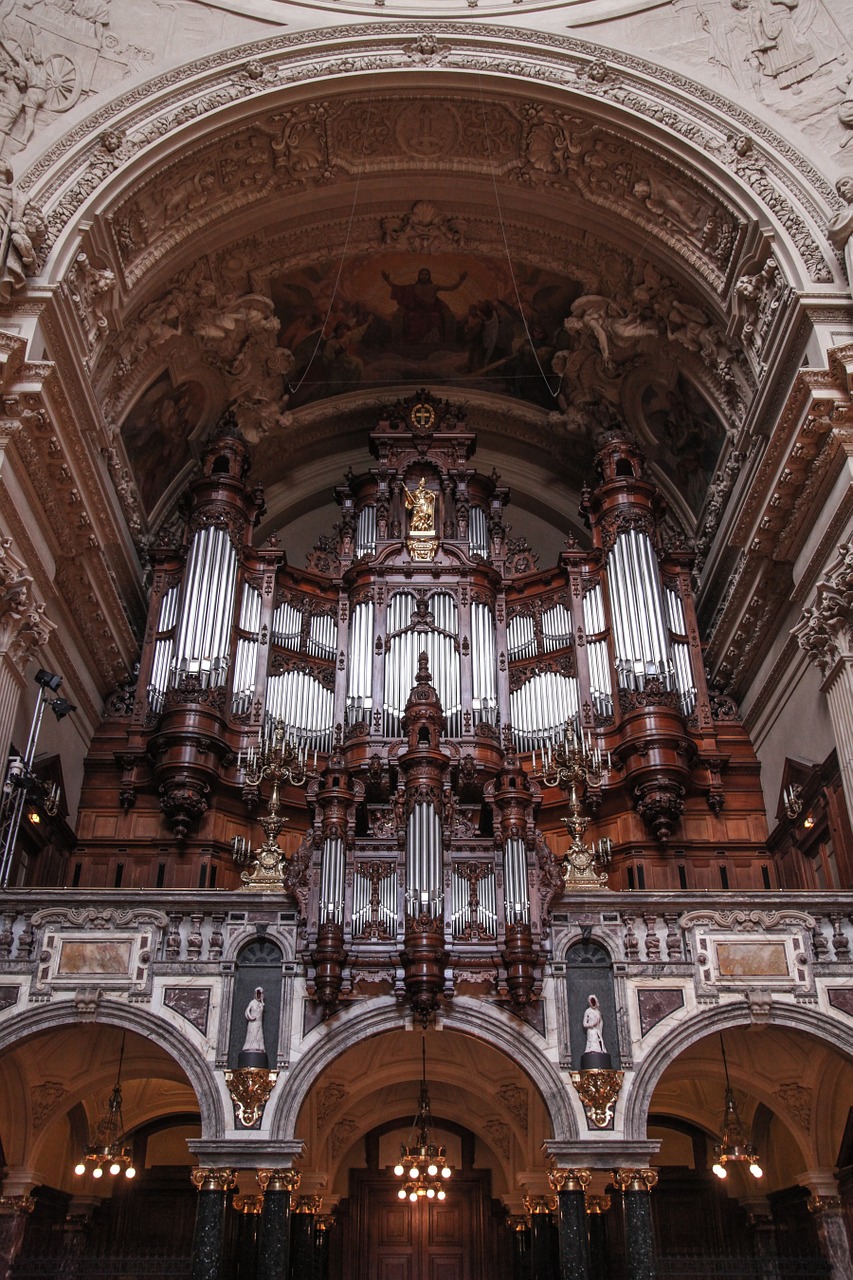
point(277, 758)
point(574, 764)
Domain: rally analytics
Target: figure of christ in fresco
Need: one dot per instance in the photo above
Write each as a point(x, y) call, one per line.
point(421, 316)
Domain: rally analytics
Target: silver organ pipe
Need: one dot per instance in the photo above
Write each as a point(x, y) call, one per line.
point(365, 532)
point(362, 905)
point(556, 628)
point(541, 707)
point(322, 636)
point(521, 637)
point(360, 667)
point(287, 626)
point(205, 612)
point(400, 664)
point(640, 638)
point(680, 651)
point(487, 912)
point(247, 650)
point(478, 533)
point(424, 861)
point(443, 655)
point(304, 706)
point(516, 889)
point(332, 882)
point(483, 678)
point(163, 649)
point(594, 624)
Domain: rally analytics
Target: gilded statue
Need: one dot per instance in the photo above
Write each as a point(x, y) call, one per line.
point(421, 503)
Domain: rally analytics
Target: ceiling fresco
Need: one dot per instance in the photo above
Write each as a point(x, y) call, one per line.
point(453, 320)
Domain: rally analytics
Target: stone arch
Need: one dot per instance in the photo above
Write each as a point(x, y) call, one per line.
point(706, 1022)
point(132, 1018)
point(477, 1021)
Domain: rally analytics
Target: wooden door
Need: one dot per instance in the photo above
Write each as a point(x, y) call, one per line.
point(384, 1238)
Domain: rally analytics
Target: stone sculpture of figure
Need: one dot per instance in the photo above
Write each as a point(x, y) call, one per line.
point(840, 227)
point(254, 1042)
point(593, 1022)
point(421, 503)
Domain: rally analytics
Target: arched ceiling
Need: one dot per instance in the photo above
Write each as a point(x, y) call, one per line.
point(590, 243)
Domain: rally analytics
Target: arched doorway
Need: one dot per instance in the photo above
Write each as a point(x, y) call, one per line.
point(792, 1091)
point(485, 1111)
point(56, 1090)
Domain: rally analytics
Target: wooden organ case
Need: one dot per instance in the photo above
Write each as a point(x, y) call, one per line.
point(425, 668)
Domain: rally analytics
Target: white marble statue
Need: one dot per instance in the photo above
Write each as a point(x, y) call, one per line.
point(592, 1023)
point(254, 1042)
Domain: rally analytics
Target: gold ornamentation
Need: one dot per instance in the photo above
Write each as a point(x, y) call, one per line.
point(249, 1204)
point(569, 1179)
point(517, 1222)
point(598, 1091)
point(634, 1179)
point(279, 1180)
point(307, 1204)
point(213, 1179)
point(422, 416)
point(250, 1087)
point(16, 1204)
point(597, 1204)
point(324, 1222)
point(540, 1204)
point(824, 1204)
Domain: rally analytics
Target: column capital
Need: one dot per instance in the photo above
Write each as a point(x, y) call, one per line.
point(596, 1205)
point(279, 1180)
point(825, 629)
point(307, 1204)
point(569, 1179)
point(635, 1179)
point(825, 1205)
point(16, 1204)
point(249, 1203)
point(539, 1204)
point(213, 1179)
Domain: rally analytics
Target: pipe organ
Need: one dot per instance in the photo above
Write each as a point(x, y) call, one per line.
point(424, 671)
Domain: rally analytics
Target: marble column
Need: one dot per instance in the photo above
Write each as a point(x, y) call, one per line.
point(324, 1225)
point(832, 1234)
point(571, 1186)
point(24, 629)
point(213, 1187)
point(599, 1260)
point(542, 1260)
point(635, 1185)
point(274, 1244)
point(520, 1228)
point(14, 1211)
point(304, 1237)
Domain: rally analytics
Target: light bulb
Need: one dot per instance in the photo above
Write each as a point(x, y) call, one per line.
point(130, 1172)
point(399, 1170)
point(430, 1193)
point(442, 1194)
point(432, 1170)
point(719, 1170)
point(115, 1168)
point(756, 1170)
point(97, 1172)
point(401, 1194)
point(79, 1168)
point(413, 1172)
point(446, 1171)
point(413, 1196)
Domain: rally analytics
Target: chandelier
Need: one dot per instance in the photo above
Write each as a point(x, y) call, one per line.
point(733, 1145)
point(423, 1164)
point(108, 1151)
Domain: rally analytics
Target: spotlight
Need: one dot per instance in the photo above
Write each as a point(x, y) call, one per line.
point(47, 680)
point(61, 707)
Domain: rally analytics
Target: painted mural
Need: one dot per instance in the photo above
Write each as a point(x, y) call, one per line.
point(156, 435)
point(449, 319)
